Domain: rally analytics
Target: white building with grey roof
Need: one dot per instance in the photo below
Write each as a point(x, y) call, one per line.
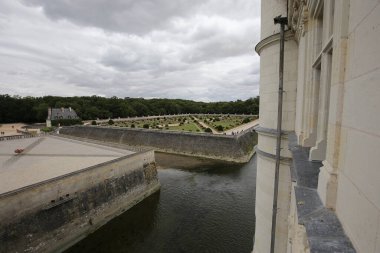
point(60, 114)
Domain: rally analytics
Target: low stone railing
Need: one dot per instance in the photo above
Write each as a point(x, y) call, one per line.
point(23, 136)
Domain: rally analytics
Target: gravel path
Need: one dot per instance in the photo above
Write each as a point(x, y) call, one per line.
point(242, 127)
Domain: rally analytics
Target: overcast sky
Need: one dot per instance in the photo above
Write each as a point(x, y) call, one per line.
point(191, 49)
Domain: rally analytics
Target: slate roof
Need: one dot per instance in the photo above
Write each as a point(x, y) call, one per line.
point(62, 113)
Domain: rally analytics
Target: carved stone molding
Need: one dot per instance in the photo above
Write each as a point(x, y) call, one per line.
point(273, 39)
point(299, 17)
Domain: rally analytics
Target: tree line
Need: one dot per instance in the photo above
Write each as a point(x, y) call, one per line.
point(34, 109)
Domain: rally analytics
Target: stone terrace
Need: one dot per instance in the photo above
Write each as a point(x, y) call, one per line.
point(47, 157)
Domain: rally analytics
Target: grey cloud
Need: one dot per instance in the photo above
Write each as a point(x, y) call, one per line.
point(128, 16)
point(212, 37)
point(137, 58)
point(201, 50)
point(129, 60)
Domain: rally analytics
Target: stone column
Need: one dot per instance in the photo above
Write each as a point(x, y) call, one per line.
point(268, 49)
point(302, 45)
point(311, 82)
point(318, 152)
point(327, 182)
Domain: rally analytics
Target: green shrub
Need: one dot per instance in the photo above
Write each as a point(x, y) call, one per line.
point(208, 130)
point(66, 122)
point(111, 122)
point(219, 128)
point(47, 129)
point(246, 120)
point(93, 123)
point(133, 126)
point(146, 126)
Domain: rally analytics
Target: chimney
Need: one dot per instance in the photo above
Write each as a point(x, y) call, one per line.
point(62, 109)
point(49, 113)
point(70, 109)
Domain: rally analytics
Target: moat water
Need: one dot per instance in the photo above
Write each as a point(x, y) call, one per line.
point(202, 206)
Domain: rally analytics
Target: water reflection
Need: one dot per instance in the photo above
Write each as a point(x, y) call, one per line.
point(204, 207)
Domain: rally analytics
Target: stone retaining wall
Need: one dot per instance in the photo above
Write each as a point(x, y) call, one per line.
point(54, 214)
point(237, 148)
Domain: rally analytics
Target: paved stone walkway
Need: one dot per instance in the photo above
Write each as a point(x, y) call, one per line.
point(241, 128)
point(47, 157)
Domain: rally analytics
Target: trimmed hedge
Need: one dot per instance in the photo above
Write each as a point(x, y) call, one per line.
point(66, 122)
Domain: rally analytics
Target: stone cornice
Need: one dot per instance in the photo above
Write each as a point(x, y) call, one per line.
point(283, 160)
point(270, 40)
point(270, 132)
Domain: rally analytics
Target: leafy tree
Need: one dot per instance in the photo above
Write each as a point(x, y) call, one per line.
point(34, 109)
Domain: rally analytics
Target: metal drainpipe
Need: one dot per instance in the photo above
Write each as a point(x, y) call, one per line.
point(282, 21)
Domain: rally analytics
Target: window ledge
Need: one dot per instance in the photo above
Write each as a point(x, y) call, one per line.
point(323, 228)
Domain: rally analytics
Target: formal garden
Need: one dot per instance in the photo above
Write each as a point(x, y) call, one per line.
point(223, 123)
point(216, 124)
point(181, 123)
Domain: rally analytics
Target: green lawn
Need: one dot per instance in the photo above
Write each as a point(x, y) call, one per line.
point(227, 122)
point(189, 127)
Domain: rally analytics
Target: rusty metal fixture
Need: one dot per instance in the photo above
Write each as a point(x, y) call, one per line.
point(282, 21)
point(19, 150)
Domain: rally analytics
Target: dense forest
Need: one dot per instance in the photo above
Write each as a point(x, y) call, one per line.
point(34, 109)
